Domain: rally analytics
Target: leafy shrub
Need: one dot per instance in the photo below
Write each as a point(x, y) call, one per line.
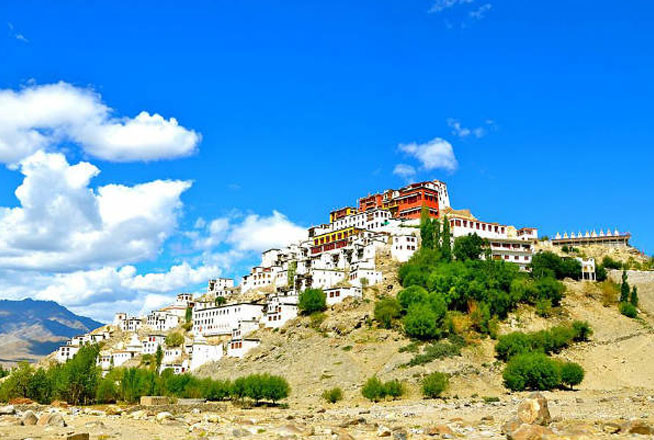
point(387, 310)
point(438, 350)
point(421, 322)
point(312, 300)
point(107, 391)
point(393, 389)
point(511, 345)
point(174, 339)
point(628, 310)
point(333, 395)
point(434, 385)
point(571, 374)
point(548, 341)
point(610, 263)
point(373, 389)
point(533, 371)
point(544, 308)
point(582, 331)
point(412, 295)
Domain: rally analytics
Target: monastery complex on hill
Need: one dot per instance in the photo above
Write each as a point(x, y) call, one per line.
point(338, 257)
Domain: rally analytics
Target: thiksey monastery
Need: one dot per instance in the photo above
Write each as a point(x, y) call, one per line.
point(338, 257)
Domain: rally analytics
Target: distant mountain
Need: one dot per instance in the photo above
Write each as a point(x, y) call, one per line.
point(30, 330)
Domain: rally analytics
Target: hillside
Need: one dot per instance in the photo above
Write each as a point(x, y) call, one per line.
point(347, 347)
point(32, 329)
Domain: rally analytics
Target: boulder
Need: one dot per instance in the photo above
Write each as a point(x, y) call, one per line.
point(637, 427)
point(138, 414)
point(59, 404)
point(239, 432)
point(533, 410)
point(530, 432)
point(52, 419)
point(164, 416)
point(7, 410)
point(8, 420)
point(29, 418)
point(442, 431)
point(383, 431)
point(114, 410)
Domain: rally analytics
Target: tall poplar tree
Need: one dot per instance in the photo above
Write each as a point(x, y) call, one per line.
point(426, 229)
point(624, 288)
point(446, 245)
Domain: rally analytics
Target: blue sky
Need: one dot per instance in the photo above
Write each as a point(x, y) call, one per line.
point(300, 107)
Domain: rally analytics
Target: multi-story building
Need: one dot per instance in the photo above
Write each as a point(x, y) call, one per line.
point(151, 342)
point(407, 202)
point(220, 287)
point(222, 320)
point(505, 242)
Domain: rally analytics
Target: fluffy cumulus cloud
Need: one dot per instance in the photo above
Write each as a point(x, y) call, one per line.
point(252, 233)
point(435, 154)
point(75, 244)
point(63, 224)
point(46, 116)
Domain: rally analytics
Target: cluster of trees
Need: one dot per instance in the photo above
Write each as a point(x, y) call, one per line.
point(537, 371)
point(487, 290)
point(631, 263)
point(528, 364)
point(548, 341)
point(433, 385)
point(79, 382)
point(628, 298)
point(76, 381)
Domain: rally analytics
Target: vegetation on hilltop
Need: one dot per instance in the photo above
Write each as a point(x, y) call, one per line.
point(441, 282)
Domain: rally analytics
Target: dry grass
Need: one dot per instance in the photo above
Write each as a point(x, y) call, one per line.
point(610, 293)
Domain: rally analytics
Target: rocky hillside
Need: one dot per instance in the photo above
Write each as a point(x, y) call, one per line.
point(346, 348)
point(32, 329)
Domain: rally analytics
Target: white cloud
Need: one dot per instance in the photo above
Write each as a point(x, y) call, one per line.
point(441, 5)
point(62, 224)
point(254, 233)
point(463, 132)
point(437, 153)
point(405, 171)
point(480, 12)
point(102, 292)
point(257, 233)
point(44, 117)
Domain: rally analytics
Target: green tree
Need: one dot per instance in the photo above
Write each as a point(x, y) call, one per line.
point(426, 229)
point(80, 376)
point(39, 388)
point(412, 295)
point(571, 374)
point(469, 247)
point(437, 233)
point(373, 389)
point(220, 300)
point(174, 339)
point(387, 310)
point(158, 358)
point(311, 301)
point(533, 371)
point(422, 322)
point(292, 270)
point(634, 297)
point(624, 288)
point(189, 314)
point(446, 239)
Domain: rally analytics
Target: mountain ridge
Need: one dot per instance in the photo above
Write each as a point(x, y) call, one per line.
point(31, 329)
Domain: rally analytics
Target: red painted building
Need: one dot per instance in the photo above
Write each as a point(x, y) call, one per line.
point(407, 202)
